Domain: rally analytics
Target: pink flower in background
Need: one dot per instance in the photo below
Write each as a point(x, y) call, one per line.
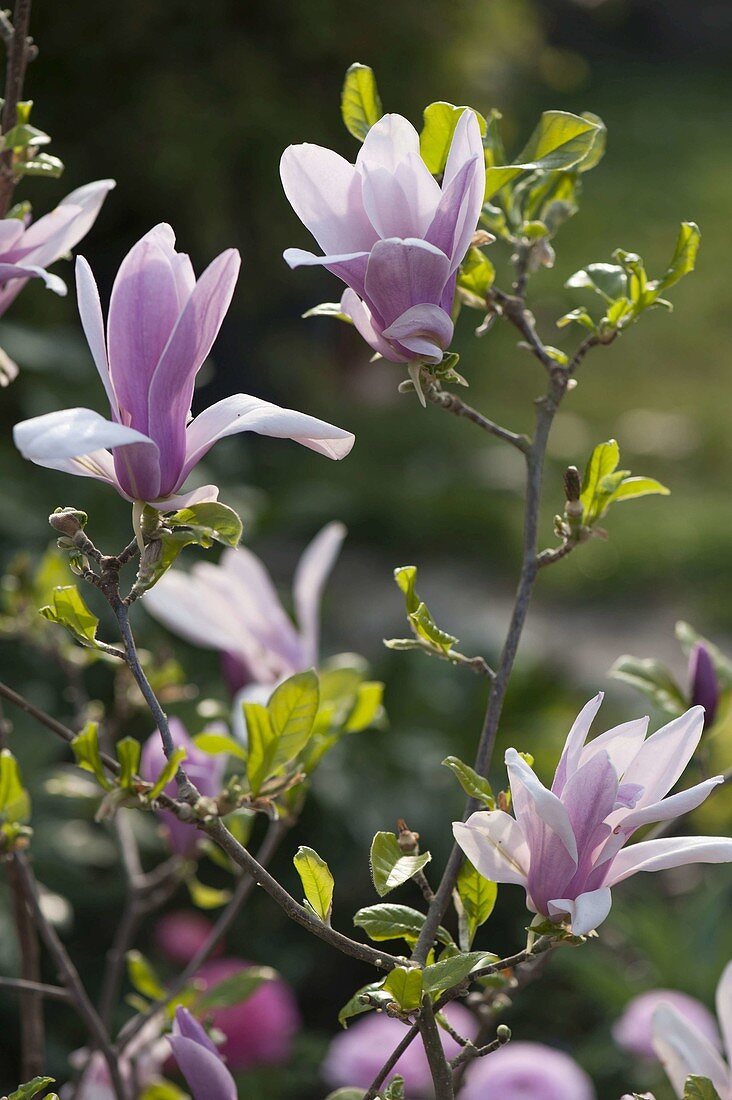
point(527, 1071)
point(199, 1060)
point(684, 1048)
point(234, 607)
point(390, 231)
point(564, 845)
point(162, 323)
point(204, 770)
point(259, 1031)
point(634, 1030)
point(27, 248)
point(180, 935)
point(356, 1055)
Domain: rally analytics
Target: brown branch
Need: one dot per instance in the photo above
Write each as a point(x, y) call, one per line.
point(454, 404)
point(20, 50)
point(32, 1029)
point(438, 1063)
point(37, 989)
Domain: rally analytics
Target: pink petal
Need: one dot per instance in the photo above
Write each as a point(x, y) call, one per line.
point(324, 190)
point(56, 233)
point(586, 912)
point(667, 808)
point(530, 796)
point(311, 574)
point(660, 855)
point(425, 331)
point(390, 141)
point(350, 267)
point(664, 755)
point(92, 321)
point(683, 1050)
point(574, 744)
point(404, 273)
point(495, 844)
point(400, 202)
point(724, 1009)
point(360, 314)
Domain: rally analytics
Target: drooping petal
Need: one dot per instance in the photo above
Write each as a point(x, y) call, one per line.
point(310, 577)
point(350, 267)
point(683, 1050)
point(495, 844)
point(425, 331)
point(663, 757)
point(586, 912)
point(143, 311)
point(70, 433)
point(11, 230)
point(667, 852)
point(242, 413)
point(171, 386)
point(404, 273)
point(272, 644)
point(56, 233)
point(26, 270)
point(667, 808)
point(204, 494)
point(362, 319)
point(92, 321)
point(574, 744)
point(324, 190)
point(724, 1010)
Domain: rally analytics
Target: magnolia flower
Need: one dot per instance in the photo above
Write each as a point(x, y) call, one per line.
point(160, 328)
point(527, 1071)
point(634, 1030)
point(258, 1031)
point(390, 232)
point(181, 934)
point(704, 685)
point(355, 1056)
point(564, 845)
point(685, 1049)
point(233, 607)
point(206, 771)
point(199, 1060)
point(26, 249)
point(140, 1065)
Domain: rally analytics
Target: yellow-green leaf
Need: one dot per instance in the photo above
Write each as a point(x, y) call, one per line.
point(405, 986)
point(69, 610)
point(360, 103)
point(14, 799)
point(440, 120)
point(317, 881)
point(389, 866)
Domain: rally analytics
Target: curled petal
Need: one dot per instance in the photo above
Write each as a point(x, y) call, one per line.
point(70, 433)
point(530, 796)
point(350, 267)
point(362, 319)
point(404, 273)
point(495, 844)
point(199, 1061)
point(10, 272)
point(424, 330)
point(586, 912)
point(667, 852)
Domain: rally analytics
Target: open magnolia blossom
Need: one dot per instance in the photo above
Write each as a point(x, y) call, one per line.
point(233, 607)
point(390, 231)
point(199, 1060)
point(27, 248)
point(684, 1049)
point(565, 844)
point(162, 323)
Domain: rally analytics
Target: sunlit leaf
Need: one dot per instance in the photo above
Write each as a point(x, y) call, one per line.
point(440, 120)
point(360, 103)
point(389, 866)
point(317, 881)
point(388, 921)
point(405, 986)
point(473, 784)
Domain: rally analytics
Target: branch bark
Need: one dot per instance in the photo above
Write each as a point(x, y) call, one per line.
point(18, 45)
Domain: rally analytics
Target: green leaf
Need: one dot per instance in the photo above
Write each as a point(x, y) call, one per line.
point(206, 897)
point(608, 280)
point(389, 866)
point(200, 525)
point(418, 614)
point(604, 484)
point(328, 309)
point(683, 260)
point(235, 989)
point(395, 1091)
point(388, 921)
point(142, 976)
point(14, 799)
point(405, 986)
point(68, 609)
point(451, 971)
point(163, 1090)
point(167, 774)
point(560, 141)
point(42, 165)
point(476, 277)
point(261, 740)
point(292, 709)
point(473, 784)
point(440, 120)
point(360, 103)
point(699, 1088)
point(653, 679)
point(128, 754)
point(368, 707)
point(477, 896)
point(31, 1088)
point(633, 487)
point(317, 881)
point(216, 743)
point(85, 747)
point(346, 1094)
point(354, 1006)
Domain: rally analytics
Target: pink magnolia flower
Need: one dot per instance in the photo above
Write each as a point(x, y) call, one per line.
point(161, 326)
point(27, 248)
point(203, 769)
point(703, 682)
point(390, 232)
point(355, 1056)
point(181, 934)
point(685, 1049)
point(140, 1065)
point(234, 607)
point(527, 1071)
point(259, 1031)
point(199, 1059)
point(634, 1030)
point(564, 844)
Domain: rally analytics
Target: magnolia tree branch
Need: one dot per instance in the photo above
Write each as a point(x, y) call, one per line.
point(458, 407)
point(70, 976)
point(439, 1066)
point(20, 51)
point(32, 1029)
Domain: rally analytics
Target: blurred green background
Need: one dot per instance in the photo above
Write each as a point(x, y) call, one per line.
point(189, 108)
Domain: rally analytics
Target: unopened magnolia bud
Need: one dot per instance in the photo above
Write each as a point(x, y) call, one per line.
point(503, 1033)
point(572, 483)
point(68, 521)
point(482, 237)
point(406, 839)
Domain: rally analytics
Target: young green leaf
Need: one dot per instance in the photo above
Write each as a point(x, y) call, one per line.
point(653, 679)
point(560, 141)
point(200, 525)
point(451, 971)
point(395, 1089)
point(367, 708)
point(216, 743)
point(389, 866)
point(32, 1088)
point(699, 1088)
point(14, 799)
point(418, 614)
point(388, 921)
point(292, 710)
point(476, 277)
point(128, 754)
point(405, 986)
point(360, 103)
point(142, 976)
point(206, 897)
point(360, 1001)
point(473, 784)
point(683, 260)
point(477, 896)
point(68, 609)
point(235, 989)
point(317, 881)
point(261, 741)
point(85, 747)
point(603, 484)
point(440, 120)
point(167, 774)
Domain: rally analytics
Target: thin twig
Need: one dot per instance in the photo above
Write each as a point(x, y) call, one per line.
point(70, 976)
point(438, 1063)
point(372, 1092)
point(458, 407)
point(555, 553)
point(36, 989)
point(32, 1029)
point(19, 52)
